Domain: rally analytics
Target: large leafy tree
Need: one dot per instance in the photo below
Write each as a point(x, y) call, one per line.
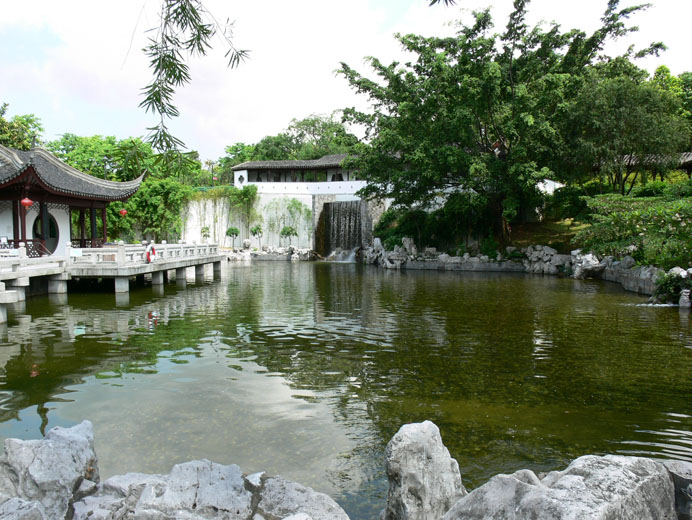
point(20, 132)
point(620, 127)
point(477, 113)
point(318, 135)
point(310, 138)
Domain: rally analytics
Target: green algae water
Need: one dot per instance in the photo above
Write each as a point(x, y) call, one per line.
point(307, 370)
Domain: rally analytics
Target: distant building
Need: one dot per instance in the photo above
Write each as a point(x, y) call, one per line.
point(316, 184)
point(38, 196)
point(313, 177)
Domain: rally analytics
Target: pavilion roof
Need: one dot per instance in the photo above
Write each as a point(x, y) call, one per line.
point(328, 161)
point(672, 160)
point(61, 177)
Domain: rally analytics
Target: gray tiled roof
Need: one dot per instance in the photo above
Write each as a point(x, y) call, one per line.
point(682, 159)
point(61, 177)
point(328, 161)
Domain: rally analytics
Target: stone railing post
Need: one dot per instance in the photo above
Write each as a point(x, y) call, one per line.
point(120, 257)
point(22, 253)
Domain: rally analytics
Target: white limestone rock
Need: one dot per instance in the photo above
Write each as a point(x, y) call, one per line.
point(681, 473)
point(549, 268)
point(18, 509)
point(678, 271)
point(280, 498)
point(597, 488)
point(394, 259)
point(684, 301)
point(196, 489)
point(587, 266)
point(409, 246)
point(537, 267)
point(561, 260)
point(205, 490)
point(627, 262)
point(49, 470)
point(424, 480)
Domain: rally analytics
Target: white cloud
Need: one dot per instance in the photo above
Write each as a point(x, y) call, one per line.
point(77, 82)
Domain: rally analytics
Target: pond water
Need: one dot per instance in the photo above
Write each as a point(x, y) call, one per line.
point(307, 370)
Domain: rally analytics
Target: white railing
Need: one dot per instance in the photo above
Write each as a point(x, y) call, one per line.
point(16, 259)
point(308, 188)
point(132, 254)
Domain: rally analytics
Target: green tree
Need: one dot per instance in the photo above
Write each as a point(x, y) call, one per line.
point(625, 127)
point(232, 232)
point(94, 155)
point(288, 232)
point(318, 135)
point(21, 131)
point(157, 207)
point(257, 232)
point(235, 154)
point(276, 148)
point(477, 113)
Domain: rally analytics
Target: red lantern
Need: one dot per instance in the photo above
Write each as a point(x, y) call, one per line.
point(123, 212)
point(26, 202)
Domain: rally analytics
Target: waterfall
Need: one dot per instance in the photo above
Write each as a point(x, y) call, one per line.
point(344, 226)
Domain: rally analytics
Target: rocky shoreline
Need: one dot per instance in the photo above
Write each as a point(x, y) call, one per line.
point(58, 478)
point(536, 259)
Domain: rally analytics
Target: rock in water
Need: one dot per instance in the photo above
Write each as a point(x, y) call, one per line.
point(597, 488)
point(283, 499)
point(681, 472)
point(201, 489)
point(424, 480)
point(587, 266)
point(684, 301)
point(42, 474)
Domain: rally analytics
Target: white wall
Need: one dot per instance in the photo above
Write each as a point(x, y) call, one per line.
point(211, 212)
point(300, 188)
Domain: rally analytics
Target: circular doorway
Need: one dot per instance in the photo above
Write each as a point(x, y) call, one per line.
point(51, 237)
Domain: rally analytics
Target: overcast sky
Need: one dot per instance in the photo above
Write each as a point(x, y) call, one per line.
point(78, 64)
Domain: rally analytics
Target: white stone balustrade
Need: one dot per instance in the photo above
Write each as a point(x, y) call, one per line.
point(120, 262)
point(129, 254)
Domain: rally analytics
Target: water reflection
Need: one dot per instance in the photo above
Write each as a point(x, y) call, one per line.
point(308, 370)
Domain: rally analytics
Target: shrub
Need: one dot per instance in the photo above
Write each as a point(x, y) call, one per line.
point(288, 232)
point(668, 287)
point(653, 230)
point(679, 190)
point(489, 247)
point(567, 202)
point(233, 232)
point(650, 189)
